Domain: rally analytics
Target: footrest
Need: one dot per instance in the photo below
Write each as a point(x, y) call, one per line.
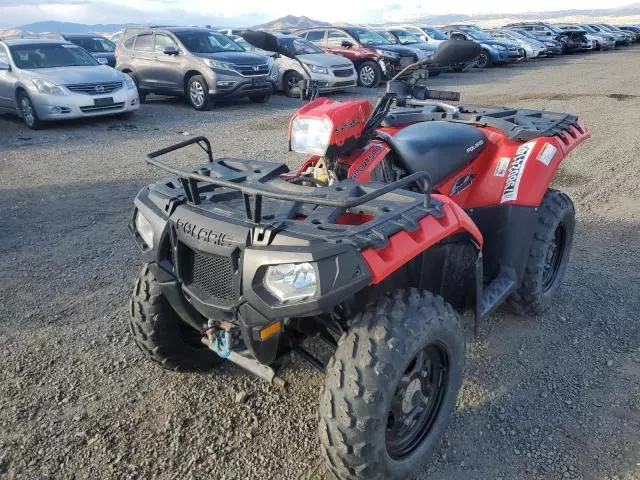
point(497, 291)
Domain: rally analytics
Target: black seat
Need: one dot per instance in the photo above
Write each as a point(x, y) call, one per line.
point(438, 148)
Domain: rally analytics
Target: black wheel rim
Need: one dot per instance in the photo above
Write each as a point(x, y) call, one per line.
point(553, 259)
point(293, 86)
point(417, 401)
point(482, 60)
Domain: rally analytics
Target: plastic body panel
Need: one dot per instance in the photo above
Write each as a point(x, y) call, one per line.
point(407, 244)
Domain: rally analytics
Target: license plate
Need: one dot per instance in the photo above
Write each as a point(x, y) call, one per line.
point(103, 102)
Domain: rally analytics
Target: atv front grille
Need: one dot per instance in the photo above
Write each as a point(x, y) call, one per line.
point(213, 274)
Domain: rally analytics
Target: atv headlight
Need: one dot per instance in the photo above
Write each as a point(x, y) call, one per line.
point(143, 226)
point(291, 281)
point(311, 135)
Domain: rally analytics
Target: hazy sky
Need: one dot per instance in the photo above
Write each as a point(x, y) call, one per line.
point(248, 12)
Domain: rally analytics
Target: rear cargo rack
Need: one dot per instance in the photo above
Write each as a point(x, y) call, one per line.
point(308, 211)
point(521, 124)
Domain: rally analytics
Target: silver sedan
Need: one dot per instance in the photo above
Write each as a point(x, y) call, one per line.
point(43, 79)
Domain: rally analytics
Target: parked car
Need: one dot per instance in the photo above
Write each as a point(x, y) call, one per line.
point(329, 72)
point(198, 63)
point(635, 29)
point(96, 45)
point(494, 52)
point(619, 37)
point(427, 33)
point(628, 36)
point(375, 57)
point(402, 36)
point(571, 41)
point(602, 40)
point(532, 48)
point(46, 79)
point(554, 47)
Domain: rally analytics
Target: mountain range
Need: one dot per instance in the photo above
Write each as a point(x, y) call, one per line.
point(291, 22)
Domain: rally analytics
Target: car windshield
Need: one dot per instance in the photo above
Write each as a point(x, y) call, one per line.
point(517, 35)
point(587, 28)
point(477, 34)
point(435, 33)
point(95, 44)
point(554, 29)
point(299, 46)
point(243, 43)
point(52, 55)
point(612, 28)
point(208, 42)
point(405, 37)
point(368, 37)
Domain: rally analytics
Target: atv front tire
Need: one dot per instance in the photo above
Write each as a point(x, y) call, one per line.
point(548, 255)
point(160, 334)
point(391, 387)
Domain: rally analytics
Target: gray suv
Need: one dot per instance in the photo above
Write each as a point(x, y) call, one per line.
point(199, 63)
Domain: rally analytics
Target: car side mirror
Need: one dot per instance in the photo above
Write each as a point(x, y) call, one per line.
point(4, 66)
point(346, 44)
point(170, 51)
point(103, 61)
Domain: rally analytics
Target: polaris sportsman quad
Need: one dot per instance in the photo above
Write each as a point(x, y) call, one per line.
point(405, 215)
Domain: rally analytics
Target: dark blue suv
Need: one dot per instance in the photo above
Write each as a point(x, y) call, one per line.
point(494, 52)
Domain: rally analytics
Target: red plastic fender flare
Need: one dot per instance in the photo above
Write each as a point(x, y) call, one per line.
point(404, 245)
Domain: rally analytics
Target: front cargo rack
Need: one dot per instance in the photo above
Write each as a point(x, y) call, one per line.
point(270, 201)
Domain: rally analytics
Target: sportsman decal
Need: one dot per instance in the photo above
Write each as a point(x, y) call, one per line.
point(514, 176)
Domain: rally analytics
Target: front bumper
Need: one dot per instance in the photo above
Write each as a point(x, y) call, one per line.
point(226, 88)
point(555, 50)
point(331, 82)
point(80, 105)
point(499, 56)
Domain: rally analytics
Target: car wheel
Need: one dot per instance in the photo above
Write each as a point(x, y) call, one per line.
point(28, 111)
point(369, 75)
point(290, 84)
point(142, 95)
point(484, 60)
point(198, 93)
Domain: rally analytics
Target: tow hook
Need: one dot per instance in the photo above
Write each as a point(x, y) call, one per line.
point(218, 339)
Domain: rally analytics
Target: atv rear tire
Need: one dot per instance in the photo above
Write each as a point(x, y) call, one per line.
point(548, 255)
point(160, 334)
point(391, 387)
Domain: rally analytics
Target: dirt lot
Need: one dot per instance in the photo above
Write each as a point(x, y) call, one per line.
point(553, 397)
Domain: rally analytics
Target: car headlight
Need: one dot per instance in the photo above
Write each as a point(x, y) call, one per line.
point(311, 135)
point(128, 82)
point(47, 88)
point(218, 64)
point(273, 68)
point(291, 281)
point(143, 226)
point(317, 69)
point(388, 55)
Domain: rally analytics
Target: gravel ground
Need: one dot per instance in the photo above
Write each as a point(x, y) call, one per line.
point(552, 397)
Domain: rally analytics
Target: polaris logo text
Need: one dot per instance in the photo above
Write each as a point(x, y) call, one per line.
point(204, 234)
point(475, 146)
point(515, 172)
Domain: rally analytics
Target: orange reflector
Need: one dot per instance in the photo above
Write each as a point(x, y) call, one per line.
point(270, 330)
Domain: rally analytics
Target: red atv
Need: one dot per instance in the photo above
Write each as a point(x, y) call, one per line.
point(407, 213)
